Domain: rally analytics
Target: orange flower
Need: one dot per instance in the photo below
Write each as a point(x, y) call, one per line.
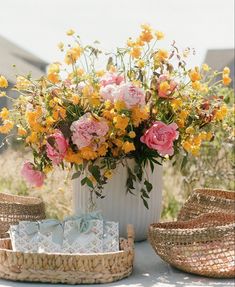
point(135, 52)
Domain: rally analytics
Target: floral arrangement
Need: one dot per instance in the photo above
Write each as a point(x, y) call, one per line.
point(145, 105)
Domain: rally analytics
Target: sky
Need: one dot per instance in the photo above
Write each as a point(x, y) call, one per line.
point(38, 25)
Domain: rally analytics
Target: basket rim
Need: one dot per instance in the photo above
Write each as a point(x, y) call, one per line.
point(10, 199)
point(222, 220)
point(219, 193)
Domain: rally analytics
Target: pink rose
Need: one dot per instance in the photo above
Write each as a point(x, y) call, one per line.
point(32, 175)
point(160, 137)
point(111, 78)
point(88, 131)
point(130, 95)
point(56, 147)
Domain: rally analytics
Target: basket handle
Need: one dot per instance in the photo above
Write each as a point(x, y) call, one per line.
point(130, 235)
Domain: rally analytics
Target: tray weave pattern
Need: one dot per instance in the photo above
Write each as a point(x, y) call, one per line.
point(203, 246)
point(67, 268)
point(16, 208)
point(207, 201)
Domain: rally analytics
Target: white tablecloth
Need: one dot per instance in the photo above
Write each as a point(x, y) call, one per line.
point(149, 271)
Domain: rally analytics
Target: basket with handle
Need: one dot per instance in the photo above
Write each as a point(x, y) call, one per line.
point(205, 200)
point(203, 246)
point(15, 208)
point(68, 268)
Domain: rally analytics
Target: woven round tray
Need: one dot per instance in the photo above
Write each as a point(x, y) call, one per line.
point(206, 201)
point(67, 268)
point(16, 208)
point(203, 246)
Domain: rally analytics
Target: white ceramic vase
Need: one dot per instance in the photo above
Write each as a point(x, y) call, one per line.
point(122, 207)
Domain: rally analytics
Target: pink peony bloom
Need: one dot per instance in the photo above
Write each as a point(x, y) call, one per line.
point(107, 92)
point(88, 131)
point(160, 137)
point(33, 176)
point(56, 147)
point(110, 79)
point(130, 95)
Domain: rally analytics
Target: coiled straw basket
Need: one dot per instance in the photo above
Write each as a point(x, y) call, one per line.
point(204, 246)
point(68, 268)
point(207, 200)
point(16, 208)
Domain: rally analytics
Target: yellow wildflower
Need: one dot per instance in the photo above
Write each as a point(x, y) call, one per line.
point(176, 104)
point(3, 82)
point(32, 138)
point(146, 36)
point(186, 145)
point(22, 83)
point(88, 153)
point(194, 74)
point(118, 142)
point(161, 55)
point(138, 115)
point(21, 131)
point(132, 134)
point(195, 150)
point(73, 157)
point(120, 105)
point(209, 136)
point(135, 52)
point(128, 147)
point(75, 99)
point(53, 68)
point(159, 35)
point(70, 32)
point(47, 169)
point(58, 113)
point(108, 173)
point(130, 43)
point(196, 85)
point(102, 150)
point(164, 87)
point(221, 113)
point(205, 67)
point(4, 114)
point(140, 64)
point(73, 54)
point(100, 73)
point(120, 122)
point(183, 114)
point(226, 80)
point(50, 121)
point(190, 130)
point(6, 127)
point(53, 77)
point(226, 71)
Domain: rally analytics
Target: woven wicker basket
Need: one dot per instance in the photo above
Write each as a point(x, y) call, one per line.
point(16, 208)
point(206, 201)
point(67, 268)
point(204, 246)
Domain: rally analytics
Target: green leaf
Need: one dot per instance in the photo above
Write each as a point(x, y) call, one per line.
point(145, 202)
point(183, 163)
point(148, 185)
point(76, 175)
point(89, 183)
point(95, 171)
point(83, 181)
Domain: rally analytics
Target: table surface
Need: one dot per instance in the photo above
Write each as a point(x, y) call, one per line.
point(149, 271)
